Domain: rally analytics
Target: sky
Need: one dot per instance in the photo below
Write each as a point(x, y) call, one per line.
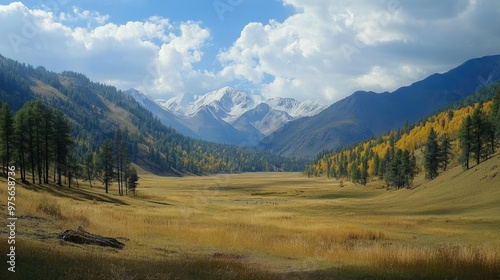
point(304, 49)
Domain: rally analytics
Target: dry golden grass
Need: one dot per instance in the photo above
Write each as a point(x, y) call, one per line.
point(287, 224)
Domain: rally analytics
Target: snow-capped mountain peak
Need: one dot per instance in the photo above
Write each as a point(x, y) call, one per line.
point(140, 97)
point(244, 112)
point(229, 103)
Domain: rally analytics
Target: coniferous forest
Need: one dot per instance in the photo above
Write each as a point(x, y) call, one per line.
point(467, 132)
point(65, 121)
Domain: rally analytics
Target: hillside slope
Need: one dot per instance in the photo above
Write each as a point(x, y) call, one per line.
point(444, 229)
point(96, 111)
point(363, 114)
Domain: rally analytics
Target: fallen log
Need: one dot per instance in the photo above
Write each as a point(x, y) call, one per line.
point(80, 236)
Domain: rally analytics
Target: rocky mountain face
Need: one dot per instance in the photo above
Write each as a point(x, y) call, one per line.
point(232, 116)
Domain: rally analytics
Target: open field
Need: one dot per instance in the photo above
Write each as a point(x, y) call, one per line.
point(266, 226)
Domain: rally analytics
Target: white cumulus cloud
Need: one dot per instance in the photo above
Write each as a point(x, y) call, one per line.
point(325, 50)
point(153, 55)
point(329, 49)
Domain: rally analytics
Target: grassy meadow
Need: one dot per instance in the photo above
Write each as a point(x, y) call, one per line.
point(264, 226)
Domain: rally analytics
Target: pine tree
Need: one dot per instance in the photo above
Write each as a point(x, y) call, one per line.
point(6, 135)
point(355, 172)
point(431, 156)
point(132, 179)
point(118, 143)
point(477, 126)
point(106, 164)
point(489, 139)
point(395, 176)
point(495, 114)
point(62, 143)
point(445, 153)
point(89, 167)
point(364, 172)
point(49, 139)
point(465, 138)
point(21, 142)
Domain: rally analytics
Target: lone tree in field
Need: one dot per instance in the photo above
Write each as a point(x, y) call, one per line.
point(132, 179)
point(431, 156)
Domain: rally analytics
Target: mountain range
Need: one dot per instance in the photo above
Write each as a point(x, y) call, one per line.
point(96, 111)
point(365, 114)
point(281, 126)
point(228, 115)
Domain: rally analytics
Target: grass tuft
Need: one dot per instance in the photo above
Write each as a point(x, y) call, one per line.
point(49, 206)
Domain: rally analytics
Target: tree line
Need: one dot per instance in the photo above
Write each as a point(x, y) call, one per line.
point(451, 137)
point(38, 140)
point(91, 108)
point(113, 164)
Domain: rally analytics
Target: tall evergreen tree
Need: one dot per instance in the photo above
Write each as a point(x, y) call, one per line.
point(106, 164)
point(364, 172)
point(21, 142)
point(121, 156)
point(132, 179)
point(395, 175)
point(6, 135)
point(89, 167)
point(49, 138)
point(355, 172)
point(489, 138)
point(376, 164)
point(465, 138)
point(118, 143)
point(445, 152)
point(495, 114)
point(62, 143)
point(477, 125)
point(431, 155)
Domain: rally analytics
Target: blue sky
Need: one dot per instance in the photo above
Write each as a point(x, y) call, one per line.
point(303, 49)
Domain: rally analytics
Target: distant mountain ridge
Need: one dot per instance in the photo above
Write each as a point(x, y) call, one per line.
point(95, 112)
point(363, 114)
point(236, 117)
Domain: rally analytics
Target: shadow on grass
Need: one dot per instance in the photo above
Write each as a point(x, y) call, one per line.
point(340, 195)
point(40, 261)
point(36, 262)
point(74, 193)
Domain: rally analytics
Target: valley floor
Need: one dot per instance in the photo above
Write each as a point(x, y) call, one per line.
point(265, 226)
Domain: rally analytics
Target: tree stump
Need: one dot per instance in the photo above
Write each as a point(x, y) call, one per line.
point(80, 236)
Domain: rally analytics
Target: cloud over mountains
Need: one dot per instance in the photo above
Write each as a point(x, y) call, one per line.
point(325, 50)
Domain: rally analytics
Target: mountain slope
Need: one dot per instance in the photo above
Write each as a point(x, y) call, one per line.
point(379, 157)
point(167, 118)
point(96, 111)
point(232, 116)
point(368, 113)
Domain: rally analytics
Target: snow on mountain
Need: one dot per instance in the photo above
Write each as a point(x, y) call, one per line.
point(140, 97)
point(308, 108)
point(165, 116)
point(295, 108)
point(252, 115)
point(229, 104)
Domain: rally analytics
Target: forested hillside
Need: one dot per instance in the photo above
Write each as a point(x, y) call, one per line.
point(95, 111)
point(466, 132)
point(363, 113)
